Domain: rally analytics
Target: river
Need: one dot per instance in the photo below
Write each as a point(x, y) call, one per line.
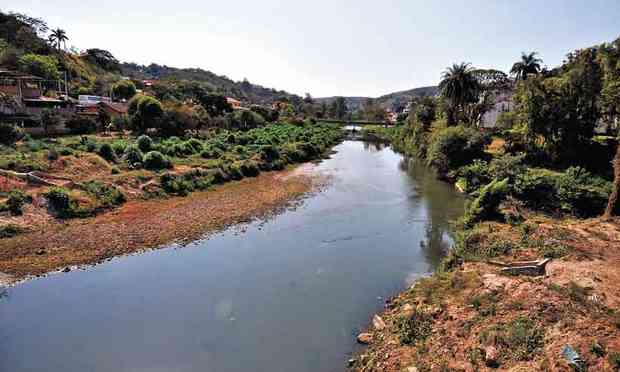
point(284, 294)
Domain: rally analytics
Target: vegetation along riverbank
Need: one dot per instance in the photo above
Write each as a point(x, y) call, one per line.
point(81, 199)
point(531, 281)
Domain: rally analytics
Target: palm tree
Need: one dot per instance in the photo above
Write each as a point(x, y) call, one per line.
point(459, 86)
point(529, 64)
point(58, 37)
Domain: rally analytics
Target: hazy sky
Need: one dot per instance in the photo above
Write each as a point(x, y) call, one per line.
point(330, 47)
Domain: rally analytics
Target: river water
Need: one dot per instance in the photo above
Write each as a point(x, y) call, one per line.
point(286, 294)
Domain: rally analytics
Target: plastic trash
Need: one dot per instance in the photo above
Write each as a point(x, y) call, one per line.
point(573, 358)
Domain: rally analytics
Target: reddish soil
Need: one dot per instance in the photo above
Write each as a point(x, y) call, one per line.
point(482, 320)
point(140, 224)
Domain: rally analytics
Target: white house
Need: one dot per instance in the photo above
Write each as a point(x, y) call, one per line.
point(502, 103)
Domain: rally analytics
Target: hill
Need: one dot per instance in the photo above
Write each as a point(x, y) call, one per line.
point(395, 101)
point(242, 90)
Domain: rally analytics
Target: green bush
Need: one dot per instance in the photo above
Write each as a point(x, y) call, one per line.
point(414, 328)
point(133, 155)
point(119, 147)
point(145, 143)
point(486, 205)
point(10, 230)
point(9, 134)
point(453, 147)
point(60, 201)
point(155, 160)
point(16, 201)
point(106, 152)
point(81, 125)
point(106, 196)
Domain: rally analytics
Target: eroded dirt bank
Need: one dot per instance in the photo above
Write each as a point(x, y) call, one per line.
point(143, 224)
point(477, 318)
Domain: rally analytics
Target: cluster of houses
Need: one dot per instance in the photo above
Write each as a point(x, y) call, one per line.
point(24, 98)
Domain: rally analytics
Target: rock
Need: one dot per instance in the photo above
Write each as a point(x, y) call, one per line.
point(41, 252)
point(490, 356)
point(412, 369)
point(378, 323)
point(408, 307)
point(66, 269)
point(364, 338)
point(351, 362)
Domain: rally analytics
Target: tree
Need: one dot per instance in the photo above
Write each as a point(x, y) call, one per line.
point(459, 87)
point(215, 104)
point(124, 89)
point(529, 64)
point(58, 37)
point(103, 59)
point(44, 66)
point(613, 206)
point(425, 111)
point(338, 108)
point(145, 111)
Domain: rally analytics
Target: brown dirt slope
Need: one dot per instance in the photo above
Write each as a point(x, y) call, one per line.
point(477, 319)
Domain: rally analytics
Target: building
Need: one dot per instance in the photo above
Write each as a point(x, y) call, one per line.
point(113, 109)
point(236, 104)
point(502, 102)
point(25, 97)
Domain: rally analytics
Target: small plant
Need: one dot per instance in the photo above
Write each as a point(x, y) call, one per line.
point(9, 231)
point(52, 155)
point(414, 328)
point(145, 143)
point(16, 201)
point(60, 201)
point(106, 152)
point(614, 360)
point(597, 349)
point(133, 155)
point(115, 170)
point(155, 160)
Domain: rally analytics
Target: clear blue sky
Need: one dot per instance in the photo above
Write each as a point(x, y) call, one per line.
point(330, 47)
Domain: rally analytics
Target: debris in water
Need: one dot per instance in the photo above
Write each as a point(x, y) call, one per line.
point(573, 358)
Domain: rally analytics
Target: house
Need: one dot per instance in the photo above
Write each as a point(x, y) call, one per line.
point(236, 105)
point(502, 101)
point(113, 109)
point(25, 97)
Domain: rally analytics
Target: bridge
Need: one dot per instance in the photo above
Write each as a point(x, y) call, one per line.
point(357, 123)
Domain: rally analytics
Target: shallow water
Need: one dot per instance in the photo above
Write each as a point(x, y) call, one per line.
point(286, 294)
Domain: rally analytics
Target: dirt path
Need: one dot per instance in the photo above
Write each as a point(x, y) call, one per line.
point(139, 225)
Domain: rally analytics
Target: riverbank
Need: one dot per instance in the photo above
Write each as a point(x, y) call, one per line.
point(478, 318)
point(557, 311)
point(144, 224)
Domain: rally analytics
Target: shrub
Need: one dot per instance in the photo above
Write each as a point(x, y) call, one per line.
point(9, 134)
point(211, 153)
point(521, 338)
point(453, 147)
point(81, 125)
point(106, 152)
point(124, 89)
point(249, 168)
point(60, 201)
point(119, 147)
point(472, 176)
point(175, 185)
point(16, 201)
point(10, 230)
point(44, 66)
point(65, 151)
point(107, 196)
point(155, 160)
point(145, 143)
point(133, 155)
point(52, 155)
point(486, 205)
point(115, 170)
point(582, 194)
point(415, 327)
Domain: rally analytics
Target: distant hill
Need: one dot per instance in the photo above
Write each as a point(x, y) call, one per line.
point(395, 101)
point(242, 90)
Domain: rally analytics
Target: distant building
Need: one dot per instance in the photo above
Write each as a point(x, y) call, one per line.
point(23, 100)
point(236, 104)
point(86, 100)
point(502, 102)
